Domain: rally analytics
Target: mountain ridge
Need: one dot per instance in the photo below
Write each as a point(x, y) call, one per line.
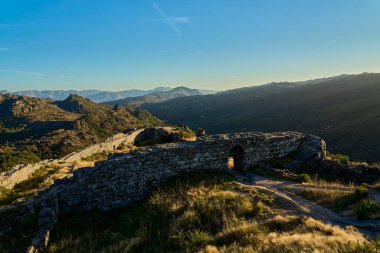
point(344, 110)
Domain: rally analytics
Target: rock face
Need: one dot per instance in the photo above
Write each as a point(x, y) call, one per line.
point(125, 180)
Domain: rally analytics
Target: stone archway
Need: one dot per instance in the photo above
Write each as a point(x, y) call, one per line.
point(236, 158)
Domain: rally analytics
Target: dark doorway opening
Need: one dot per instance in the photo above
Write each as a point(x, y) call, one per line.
point(236, 158)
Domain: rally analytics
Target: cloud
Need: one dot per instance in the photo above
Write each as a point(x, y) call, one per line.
point(22, 72)
point(12, 71)
point(172, 21)
point(4, 49)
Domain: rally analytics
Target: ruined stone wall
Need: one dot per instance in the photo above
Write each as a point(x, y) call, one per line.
point(125, 180)
point(110, 144)
point(22, 172)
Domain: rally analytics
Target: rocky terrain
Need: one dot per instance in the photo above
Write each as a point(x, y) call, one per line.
point(34, 128)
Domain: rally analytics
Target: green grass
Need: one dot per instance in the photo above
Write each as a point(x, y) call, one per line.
point(10, 158)
point(365, 208)
point(340, 157)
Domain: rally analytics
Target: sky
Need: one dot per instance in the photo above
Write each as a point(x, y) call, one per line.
point(207, 44)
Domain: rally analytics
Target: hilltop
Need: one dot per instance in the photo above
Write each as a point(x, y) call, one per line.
point(34, 128)
point(344, 110)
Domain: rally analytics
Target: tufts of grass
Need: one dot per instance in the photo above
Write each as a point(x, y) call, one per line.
point(199, 212)
point(340, 157)
point(335, 199)
point(365, 208)
point(101, 156)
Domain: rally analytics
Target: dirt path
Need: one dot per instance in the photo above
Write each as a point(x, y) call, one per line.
point(278, 188)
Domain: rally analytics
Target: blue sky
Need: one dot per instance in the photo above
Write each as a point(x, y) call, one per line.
point(209, 44)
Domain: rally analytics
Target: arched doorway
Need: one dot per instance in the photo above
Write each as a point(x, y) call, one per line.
point(236, 158)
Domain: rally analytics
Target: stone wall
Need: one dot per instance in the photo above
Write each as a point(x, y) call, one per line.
point(125, 180)
point(22, 172)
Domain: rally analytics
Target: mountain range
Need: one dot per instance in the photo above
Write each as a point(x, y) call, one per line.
point(96, 95)
point(157, 97)
point(344, 110)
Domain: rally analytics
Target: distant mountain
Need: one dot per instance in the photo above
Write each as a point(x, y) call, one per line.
point(54, 128)
point(95, 95)
point(156, 97)
point(344, 110)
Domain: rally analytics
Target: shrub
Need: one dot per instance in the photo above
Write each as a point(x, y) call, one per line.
point(340, 157)
point(306, 178)
point(365, 208)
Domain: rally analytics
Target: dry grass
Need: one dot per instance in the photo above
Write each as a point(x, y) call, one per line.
point(289, 234)
point(201, 212)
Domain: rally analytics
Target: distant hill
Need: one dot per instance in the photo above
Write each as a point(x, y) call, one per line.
point(156, 97)
point(344, 110)
point(95, 95)
point(52, 129)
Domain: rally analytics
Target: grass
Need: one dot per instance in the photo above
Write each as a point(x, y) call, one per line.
point(339, 200)
point(340, 157)
point(26, 189)
point(365, 208)
point(201, 212)
point(185, 133)
point(97, 156)
point(16, 232)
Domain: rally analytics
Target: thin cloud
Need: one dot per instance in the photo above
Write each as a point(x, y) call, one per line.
point(4, 49)
point(172, 21)
point(12, 71)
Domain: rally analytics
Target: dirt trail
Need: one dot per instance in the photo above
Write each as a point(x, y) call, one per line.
point(279, 189)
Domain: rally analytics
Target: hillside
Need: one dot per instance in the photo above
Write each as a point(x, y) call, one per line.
point(196, 212)
point(156, 97)
point(34, 128)
point(344, 110)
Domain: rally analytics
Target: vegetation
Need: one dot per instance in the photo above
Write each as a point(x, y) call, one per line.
point(339, 200)
point(201, 212)
point(340, 157)
point(16, 233)
point(47, 129)
point(317, 107)
point(365, 208)
point(10, 158)
point(27, 188)
point(97, 156)
point(185, 132)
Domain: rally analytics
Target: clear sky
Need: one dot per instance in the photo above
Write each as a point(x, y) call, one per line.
point(209, 44)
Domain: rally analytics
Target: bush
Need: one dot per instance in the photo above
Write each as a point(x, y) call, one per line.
point(306, 178)
point(365, 208)
point(340, 157)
